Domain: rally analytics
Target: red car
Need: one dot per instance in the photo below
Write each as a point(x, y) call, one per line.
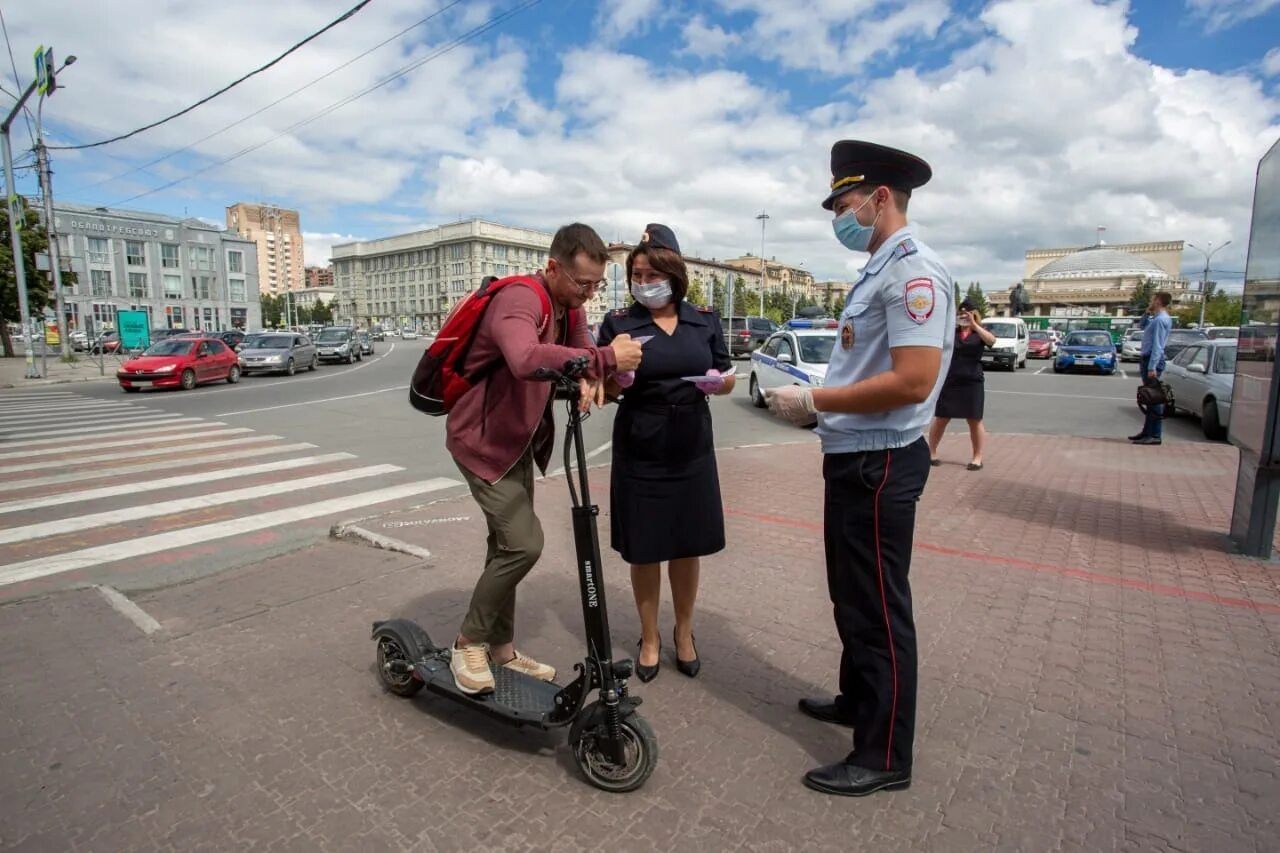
point(180, 363)
point(1040, 345)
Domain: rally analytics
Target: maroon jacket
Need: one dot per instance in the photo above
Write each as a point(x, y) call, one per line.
point(493, 424)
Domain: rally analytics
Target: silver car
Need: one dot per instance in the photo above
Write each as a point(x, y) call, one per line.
point(1131, 346)
point(339, 343)
point(277, 352)
point(1201, 377)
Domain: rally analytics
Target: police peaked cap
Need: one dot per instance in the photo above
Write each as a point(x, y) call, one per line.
point(854, 163)
point(658, 236)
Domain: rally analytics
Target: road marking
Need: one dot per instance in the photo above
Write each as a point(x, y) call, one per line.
point(67, 406)
point(171, 482)
point(310, 402)
point(78, 416)
point(126, 608)
point(141, 547)
point(137, 454)
point(72, 423)
point(136, 513)
point(164, 425)
point(121, 442)
point(25, 396)
point(1123, 375)
point(146, 467)
point(1070, 396)
point(1041, 370)
point(601, 449)
point(326, 375)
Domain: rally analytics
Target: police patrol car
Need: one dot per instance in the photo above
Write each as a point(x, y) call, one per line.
point(795, 355)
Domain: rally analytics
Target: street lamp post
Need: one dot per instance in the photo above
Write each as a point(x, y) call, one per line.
point(15, 210)
point(46, 189)
point(1204, 282)
point(764, 273)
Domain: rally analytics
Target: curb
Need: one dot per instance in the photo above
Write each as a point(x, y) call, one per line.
point(344, 530)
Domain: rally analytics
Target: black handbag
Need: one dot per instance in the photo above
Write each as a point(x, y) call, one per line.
point(1158, 394)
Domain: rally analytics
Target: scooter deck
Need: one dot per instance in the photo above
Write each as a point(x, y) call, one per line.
point(515, 696)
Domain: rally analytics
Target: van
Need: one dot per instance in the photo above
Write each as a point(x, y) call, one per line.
point(1010, 349)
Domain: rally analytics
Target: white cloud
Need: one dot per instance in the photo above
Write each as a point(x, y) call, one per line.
point(1271, 63)
point(618, 19)
point(317, 247)
point(707, 40)
point(1224, 14)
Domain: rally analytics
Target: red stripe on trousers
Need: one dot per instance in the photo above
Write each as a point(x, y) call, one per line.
point(893, 657)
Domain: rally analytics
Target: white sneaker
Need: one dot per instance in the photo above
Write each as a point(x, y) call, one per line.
point(528, 666)
point(470, 668)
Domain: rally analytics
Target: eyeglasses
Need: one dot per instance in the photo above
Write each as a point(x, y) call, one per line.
point(583, 286)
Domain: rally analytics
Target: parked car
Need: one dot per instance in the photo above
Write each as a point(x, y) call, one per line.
point(366, 343)
point(1041, 344)
point(277, 352)
point(1131, 345)
point(1180, 339)
point(1219, 332)
point(1201, 377)
point(408, 335)
point(106, 342)
point(1257, 343)
point(79, 340)
point(338, 343)
point(377, 334)
point(796, 355)
point(1091, 348)
point(747, 334)
point(1010, 349)
point(179, 362)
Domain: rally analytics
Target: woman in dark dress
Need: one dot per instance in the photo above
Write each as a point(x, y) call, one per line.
point(962, 392)
point(665, 489)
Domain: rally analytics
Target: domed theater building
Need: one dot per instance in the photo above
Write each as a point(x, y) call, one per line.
point(1095, 280)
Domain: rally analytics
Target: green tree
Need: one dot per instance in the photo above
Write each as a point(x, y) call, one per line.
point(35, 240)
point(272, 310)
point(743, 299)
point(322, 313)
point(956, 287)
point(1141, 299)
point(697, 292)
point(975, 295)
point(302, 315)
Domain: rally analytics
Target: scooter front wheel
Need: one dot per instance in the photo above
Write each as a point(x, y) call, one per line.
point(394, 670)
point(640, 747)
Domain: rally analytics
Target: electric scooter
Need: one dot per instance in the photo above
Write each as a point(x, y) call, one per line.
point(613, 746)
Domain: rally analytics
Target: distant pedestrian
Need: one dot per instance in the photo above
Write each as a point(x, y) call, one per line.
point(963, 394)
point(1155, 336)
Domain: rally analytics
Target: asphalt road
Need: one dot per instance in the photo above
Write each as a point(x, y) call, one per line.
point(144, 490)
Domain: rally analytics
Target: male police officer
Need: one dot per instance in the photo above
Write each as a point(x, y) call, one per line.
point(895, 339)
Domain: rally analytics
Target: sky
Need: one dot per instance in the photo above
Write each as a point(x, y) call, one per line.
point(1042, 119)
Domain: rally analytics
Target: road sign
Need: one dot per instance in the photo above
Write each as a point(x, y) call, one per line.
point(16, 212)
point(51, 336)
point(135, 332)
point(45, 84)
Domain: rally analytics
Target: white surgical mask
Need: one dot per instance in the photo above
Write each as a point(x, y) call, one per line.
point(652, 296)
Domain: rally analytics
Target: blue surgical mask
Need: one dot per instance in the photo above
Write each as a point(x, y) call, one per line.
point(652, 296)
point(851, 233)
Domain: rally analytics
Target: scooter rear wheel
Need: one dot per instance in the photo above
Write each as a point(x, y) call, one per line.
point(393, 672)
point(640, 746)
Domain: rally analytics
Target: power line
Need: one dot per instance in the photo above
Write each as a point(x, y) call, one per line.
point(17, 81)
point(348, 14)
point(258, 112)
point(458, 42)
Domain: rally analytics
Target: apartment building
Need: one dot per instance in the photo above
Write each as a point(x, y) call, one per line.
point(277, 232)
point(319, 276)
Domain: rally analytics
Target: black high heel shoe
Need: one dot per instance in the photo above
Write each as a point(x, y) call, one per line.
point(687, 667)
point(648, 673)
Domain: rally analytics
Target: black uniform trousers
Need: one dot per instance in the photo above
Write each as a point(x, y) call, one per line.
point(870, 521)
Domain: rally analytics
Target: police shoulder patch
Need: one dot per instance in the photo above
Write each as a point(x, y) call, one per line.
point(919, 299)
point(620, 312)
point(705, 309)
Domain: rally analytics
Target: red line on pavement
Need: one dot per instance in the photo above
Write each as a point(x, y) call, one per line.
point(1046, 568)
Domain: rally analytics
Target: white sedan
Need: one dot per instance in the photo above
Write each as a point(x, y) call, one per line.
point(796, 355)
point(1201, 378)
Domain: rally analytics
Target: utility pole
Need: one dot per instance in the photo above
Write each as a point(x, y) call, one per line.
point(46, 189)
point(764, 272)
point(15, 214)
point(1204, 282)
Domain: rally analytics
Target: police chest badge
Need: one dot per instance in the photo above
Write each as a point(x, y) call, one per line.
point(846, 336)
point(919, 300)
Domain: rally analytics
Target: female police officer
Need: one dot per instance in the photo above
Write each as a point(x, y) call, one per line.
point(895, 338)
point(665, 489)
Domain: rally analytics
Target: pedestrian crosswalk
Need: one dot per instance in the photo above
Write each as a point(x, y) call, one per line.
point(91, 488)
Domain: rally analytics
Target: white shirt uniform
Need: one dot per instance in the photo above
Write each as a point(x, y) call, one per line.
point(903, 298)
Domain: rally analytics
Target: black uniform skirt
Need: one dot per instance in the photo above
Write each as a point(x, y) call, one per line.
point(961, 399)
point(665, 487)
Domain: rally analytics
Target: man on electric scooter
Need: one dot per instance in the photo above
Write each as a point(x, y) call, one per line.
point(502, 426)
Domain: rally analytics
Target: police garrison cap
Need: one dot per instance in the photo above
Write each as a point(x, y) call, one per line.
point(854, 163)
point(658, 236)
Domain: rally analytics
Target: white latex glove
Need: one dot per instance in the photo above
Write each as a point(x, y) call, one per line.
point(793, 403)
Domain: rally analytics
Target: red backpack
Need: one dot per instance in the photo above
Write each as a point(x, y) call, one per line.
point(439, 381)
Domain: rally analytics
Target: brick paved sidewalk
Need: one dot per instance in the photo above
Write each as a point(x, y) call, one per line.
point(1097, 673)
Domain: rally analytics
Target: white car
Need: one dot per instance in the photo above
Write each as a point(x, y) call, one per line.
point(408, 335)
point(1131, 346)
point(797, 354)
point(1010, 348)
point(1201, 378)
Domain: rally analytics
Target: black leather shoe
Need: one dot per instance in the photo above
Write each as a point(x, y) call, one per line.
point(850, 780)
point(647, 673)
point(687, 667)
point(825, 710)
point(1138, 437)
point(1149, 441)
